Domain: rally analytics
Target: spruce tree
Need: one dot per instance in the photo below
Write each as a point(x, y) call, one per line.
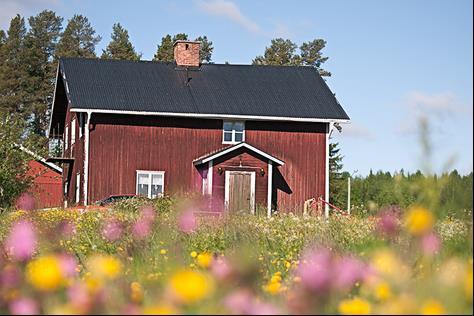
point(13, 69)
point(165, 52)
point(336, 180)
point(40, 45)
point(120, 46)
point(78, 39)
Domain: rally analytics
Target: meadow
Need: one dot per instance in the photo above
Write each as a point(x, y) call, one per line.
point(164, 257)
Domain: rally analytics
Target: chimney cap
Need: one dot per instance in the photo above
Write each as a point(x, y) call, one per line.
point(186, 41)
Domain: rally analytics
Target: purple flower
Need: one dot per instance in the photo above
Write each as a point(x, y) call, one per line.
point(10, 276)
point(21, 242)
point(78, 296)
point(141, 229)
point(68, 265)
point(239, 302)
point(430, 244)
point(221, 268)
point(315, 269)
point(112, 230)
point(26, 202)
point(388, 223)
point(187, 221)
point(347, 271)
point(23, 306)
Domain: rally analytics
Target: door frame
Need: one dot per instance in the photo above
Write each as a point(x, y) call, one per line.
point(227, 189)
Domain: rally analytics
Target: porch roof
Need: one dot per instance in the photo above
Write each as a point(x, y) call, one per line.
point(218, 153)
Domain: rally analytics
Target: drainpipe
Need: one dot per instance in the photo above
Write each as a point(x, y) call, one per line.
point(86, 156)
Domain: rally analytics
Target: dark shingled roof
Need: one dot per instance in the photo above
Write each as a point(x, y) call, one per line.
point(247, 90)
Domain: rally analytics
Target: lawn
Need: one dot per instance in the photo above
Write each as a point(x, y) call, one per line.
point(163, 256)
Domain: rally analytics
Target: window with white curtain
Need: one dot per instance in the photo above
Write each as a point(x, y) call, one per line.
point(150, 183)
point(234, 132)
point(73, 131)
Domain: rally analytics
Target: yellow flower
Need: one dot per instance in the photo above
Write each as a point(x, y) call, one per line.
point(432, 307)
point(419, 220)
point(104, 267)
point(468, 284)
point(163, 251)
point(382, 291)
point(194, 254)
point(136, 292)
point(273, 288)
point(163, 309)
point(45, 273)
point(204, 260)
point(355, 306)
point(191, 286)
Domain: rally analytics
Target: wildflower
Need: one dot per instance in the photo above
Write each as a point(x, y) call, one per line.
point(141, 229)
point(432, 307)
point(191, 286)
point(79, 298)
point(194, 254)
point(315, 270)
point(68, 265)
point(163, 252)
point(468, 284)
point(21, 242)
point(45, 273)
point(272, 288)
point(347, 271)
point(187, 221)
point(382, 291)
point(355, 306)
point(112, 230)
point(221, 269)
point(419, 221)
point(204, 260)
point(386, 263)
point(388, 223)
point(136, 292)
point(430, 244)
point(26, 202)
point(104, 267)
point(161, 309)
point(24, 306)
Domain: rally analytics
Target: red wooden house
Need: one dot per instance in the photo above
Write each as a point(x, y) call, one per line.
point(244, 135)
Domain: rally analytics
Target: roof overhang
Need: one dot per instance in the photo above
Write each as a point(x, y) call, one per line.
point(230, 149)
point(215, 116)
point(40, 159)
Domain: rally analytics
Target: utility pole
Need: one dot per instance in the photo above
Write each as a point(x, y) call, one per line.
point(349, 195)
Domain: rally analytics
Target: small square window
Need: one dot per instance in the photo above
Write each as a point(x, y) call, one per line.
point(233, 132)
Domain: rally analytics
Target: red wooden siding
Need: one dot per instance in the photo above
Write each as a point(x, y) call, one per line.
point(122, 144)
point(47, 185)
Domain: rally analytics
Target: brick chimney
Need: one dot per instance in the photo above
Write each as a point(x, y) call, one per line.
point(186, 53)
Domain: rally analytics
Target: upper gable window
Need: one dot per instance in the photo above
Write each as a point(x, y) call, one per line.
point(234, 132)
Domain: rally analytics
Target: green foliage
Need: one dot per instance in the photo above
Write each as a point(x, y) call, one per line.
point(283, 52)
point(78, 39)
point(165, 53)
point(336, 179)
point(120, 46)
point(13, 162)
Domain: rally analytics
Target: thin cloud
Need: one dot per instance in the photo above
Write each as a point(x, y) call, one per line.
point(229, 10)
point(435, 108)
point(355, 130)
point(10, 8)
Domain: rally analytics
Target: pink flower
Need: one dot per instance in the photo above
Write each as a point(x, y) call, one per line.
point(23, 306)
point(187, 221)
point(347, 271)
point(221, 268)
point(26, 202)
point(315, 269)
point(10, 276)
point(430, 244)
point(112, 230)
point(68, 265)
point(21, 242)
point(67, 229)
point(388, 223)
point(239, 302)
point(148, 213)
point(141, 229)
point(261, 308)
point(78, 296)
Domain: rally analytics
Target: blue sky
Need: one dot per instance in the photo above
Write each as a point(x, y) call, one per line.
point(393, 62)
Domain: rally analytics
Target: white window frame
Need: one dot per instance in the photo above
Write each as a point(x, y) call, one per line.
point(232, 141)
point(73, 131)
point(81, 125)
point(150, 173)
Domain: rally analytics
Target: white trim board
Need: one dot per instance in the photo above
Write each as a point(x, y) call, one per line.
point(216, 116)
point(252, 189)
point(240, 145)
point(38, 157)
